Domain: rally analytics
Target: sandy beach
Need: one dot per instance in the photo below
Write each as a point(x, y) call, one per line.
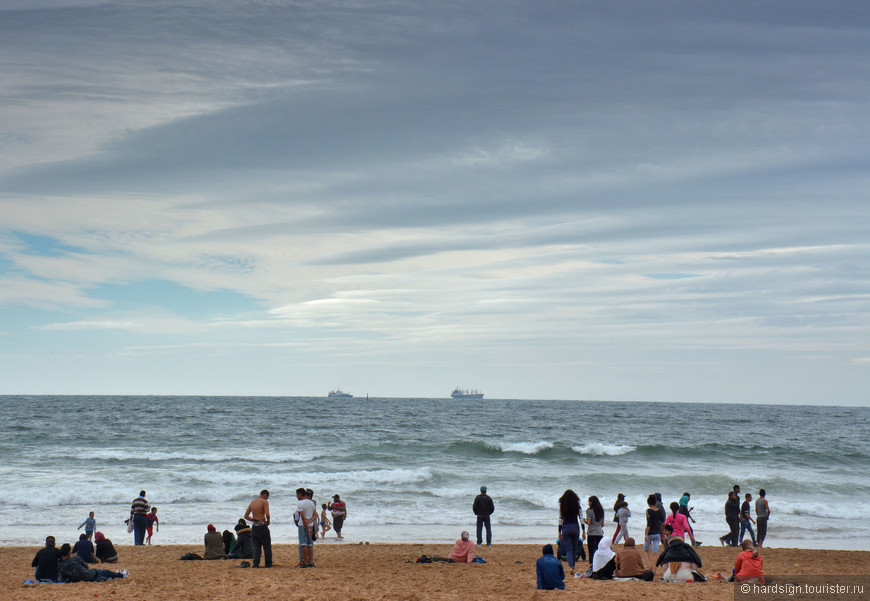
point(380, 571)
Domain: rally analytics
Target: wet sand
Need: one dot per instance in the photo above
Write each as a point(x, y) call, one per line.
point(379, 571)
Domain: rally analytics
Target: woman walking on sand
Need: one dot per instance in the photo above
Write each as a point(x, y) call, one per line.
point(569, 526)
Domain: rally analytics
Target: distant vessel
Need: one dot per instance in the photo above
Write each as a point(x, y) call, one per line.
point(458, 393)
point(338, 393)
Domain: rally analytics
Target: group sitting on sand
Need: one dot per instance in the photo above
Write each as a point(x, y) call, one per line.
point(68, 565)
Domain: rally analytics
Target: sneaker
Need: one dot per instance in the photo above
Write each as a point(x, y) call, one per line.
point(697, 543)
point(311, 565)
point(124, 573)
point(300, 565)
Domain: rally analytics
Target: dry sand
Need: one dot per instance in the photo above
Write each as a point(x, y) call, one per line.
point(379, 571)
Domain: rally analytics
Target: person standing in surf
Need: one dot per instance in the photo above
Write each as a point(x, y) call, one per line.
point(483, 508)
point(338, 508)
point(138, 513)
point(762, 513)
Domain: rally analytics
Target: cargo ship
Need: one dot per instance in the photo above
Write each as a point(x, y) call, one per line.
point(459, 393)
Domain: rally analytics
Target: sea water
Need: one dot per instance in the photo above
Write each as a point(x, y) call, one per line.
point(409, 468)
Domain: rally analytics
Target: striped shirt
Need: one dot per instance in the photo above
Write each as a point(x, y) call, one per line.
point(140, 506)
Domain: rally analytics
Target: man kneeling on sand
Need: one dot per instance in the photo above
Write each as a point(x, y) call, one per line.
point(551, 574)
point(629, 563)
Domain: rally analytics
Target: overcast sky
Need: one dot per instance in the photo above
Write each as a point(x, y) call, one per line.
point(662, 201)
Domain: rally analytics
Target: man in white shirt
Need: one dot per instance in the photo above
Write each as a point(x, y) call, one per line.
point(307, 521)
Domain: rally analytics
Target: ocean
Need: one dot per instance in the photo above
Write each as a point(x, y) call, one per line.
point(409, 468)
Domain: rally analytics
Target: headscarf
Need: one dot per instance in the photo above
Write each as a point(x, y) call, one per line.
point(98, 536)
point(602, 555)
point(211, 528)
point(465, 535)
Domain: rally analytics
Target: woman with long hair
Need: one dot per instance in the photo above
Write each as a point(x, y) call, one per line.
point(569, 526)
point(595, 522)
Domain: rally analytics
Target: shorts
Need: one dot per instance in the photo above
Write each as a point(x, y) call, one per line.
point(305, 539)
point(653, 540)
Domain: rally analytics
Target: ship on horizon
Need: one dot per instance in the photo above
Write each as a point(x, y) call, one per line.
point(459, 393)
point(338, 393)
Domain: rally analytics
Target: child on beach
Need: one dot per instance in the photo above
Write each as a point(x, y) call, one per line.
point(325, 524)
point(90, 525)
point(152, 524)
point(622, 516)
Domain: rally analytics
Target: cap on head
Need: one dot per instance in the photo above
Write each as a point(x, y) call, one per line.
point(482, 489)
point(336, 497)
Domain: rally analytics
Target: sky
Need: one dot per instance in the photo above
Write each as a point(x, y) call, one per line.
point(640, 201)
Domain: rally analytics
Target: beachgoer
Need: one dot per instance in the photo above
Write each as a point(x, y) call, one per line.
point(616, 505)
point(214, 544)
point(483, 508)
point(84, 549)
point(681, 560)
point(339, 514)
point(90, 525)
point(732, 517)
point(228, 541)
point(762, 513)
point(652, 535)
point(244, 547)
point(569, 527)
point(595, 522)
point(736, 489)
point(604, 561)
point(152, 524)
point(325, 524)
point(549, 569)
point(747, 567)
point(687, 511)
point(74, 569)
point(105, 549)
point(307, 520)
point(629, 563)
point(622, 516)
point(138, 513)
point(746, 520)
point(258, 514)
point(677, 521)
point(463, 549)
point(46, 562)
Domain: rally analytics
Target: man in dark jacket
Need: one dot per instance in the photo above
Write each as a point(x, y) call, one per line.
point(483, 508)
point(46, 561)
point(732, 516)
point(551, 574)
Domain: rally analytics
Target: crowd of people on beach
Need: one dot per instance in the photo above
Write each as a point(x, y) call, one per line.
point(250, 539)
point(680, 561)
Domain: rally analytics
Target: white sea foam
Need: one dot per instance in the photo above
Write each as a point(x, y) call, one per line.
point(110, 454)
point(600, 448)
point(526, 448)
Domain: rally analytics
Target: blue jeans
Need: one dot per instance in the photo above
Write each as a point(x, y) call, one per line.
point(483, 520)
point(746, 525)
point(305, 539)
point(139, 523)
point(571, 540)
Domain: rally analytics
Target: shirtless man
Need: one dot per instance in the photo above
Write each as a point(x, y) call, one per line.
point(258, 514)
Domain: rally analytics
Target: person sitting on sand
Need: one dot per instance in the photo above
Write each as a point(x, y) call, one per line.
point(46, 562)
point(84, 548)
point(747, 567)
point(463, 549)
point(681, 560)
point(629, 563)
point(244, 547)
point(105, 549)
point(604, 561)
point(229, 541)
point(551, 574)
point(74, 569)
point(214, 544)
